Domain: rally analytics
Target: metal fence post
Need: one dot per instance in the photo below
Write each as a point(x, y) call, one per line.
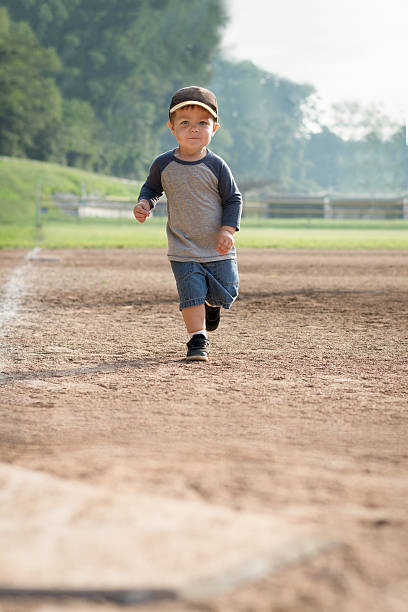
point(405, 207)
point(38, 205)
point(326, 207)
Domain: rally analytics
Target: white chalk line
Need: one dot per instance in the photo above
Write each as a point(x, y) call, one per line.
point(11, 297)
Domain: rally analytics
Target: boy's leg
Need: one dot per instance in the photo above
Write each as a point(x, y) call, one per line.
point(212, 317)
point(192, 288)
point(194, 318)
point(223, 282)
point(197, 346)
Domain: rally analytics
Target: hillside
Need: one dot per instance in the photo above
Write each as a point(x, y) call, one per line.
point(20, 178)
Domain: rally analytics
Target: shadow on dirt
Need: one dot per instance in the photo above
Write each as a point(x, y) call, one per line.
point(102, 368)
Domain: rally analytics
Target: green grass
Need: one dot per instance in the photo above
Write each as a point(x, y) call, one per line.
point(324, 234)
point(325, 239)
point(18, 184)
point(22, 236)
point(273, 233)
point(325, 224)
point(19, 179)
point(99, 234)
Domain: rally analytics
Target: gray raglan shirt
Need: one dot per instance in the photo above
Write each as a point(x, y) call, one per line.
point(201, 197)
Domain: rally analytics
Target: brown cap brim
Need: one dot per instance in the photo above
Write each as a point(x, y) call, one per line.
point(193, 103)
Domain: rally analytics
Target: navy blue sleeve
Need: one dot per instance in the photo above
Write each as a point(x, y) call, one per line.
point(231, 198)
point(152, 189)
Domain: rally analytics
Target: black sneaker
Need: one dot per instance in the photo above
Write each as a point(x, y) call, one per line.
point(212, 317)
point(197, 348)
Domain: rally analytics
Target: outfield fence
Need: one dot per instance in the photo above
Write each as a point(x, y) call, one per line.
point(327, 207)
point(283, 207)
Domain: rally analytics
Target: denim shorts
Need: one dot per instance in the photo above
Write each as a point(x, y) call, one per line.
point(215, 282)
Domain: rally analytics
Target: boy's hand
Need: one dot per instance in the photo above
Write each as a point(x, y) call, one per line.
point(225, 239)
point(142, 211)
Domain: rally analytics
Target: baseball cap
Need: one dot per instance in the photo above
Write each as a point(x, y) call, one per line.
point(194, 95)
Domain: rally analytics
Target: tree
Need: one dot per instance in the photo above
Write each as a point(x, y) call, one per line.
point(261, 116)
point(362, 153)
point(324, 150)
point(30, 102)
point(125, 58)
point(78, 137)
point(354, 121)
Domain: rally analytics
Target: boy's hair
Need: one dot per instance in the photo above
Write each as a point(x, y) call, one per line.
point(194, 96)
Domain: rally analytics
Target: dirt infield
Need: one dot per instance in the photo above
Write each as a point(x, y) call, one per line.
point(301, 412)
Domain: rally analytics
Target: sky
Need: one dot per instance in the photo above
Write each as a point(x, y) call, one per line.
point(350, 50)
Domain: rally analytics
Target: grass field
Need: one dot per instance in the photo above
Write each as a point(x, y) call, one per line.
point(20, 178)
point(265, 233)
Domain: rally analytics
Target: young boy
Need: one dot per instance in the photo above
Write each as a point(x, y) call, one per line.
point(204, 209)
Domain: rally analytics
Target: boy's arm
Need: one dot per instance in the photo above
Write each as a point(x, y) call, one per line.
point(231, 199)
point(152, 189)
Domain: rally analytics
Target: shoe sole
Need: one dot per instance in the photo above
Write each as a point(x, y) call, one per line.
point(197, 358)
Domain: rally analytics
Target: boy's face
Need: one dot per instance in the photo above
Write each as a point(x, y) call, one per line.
point(193, 127)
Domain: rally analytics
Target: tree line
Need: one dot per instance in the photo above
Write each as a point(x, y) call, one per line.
point(87, 84)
